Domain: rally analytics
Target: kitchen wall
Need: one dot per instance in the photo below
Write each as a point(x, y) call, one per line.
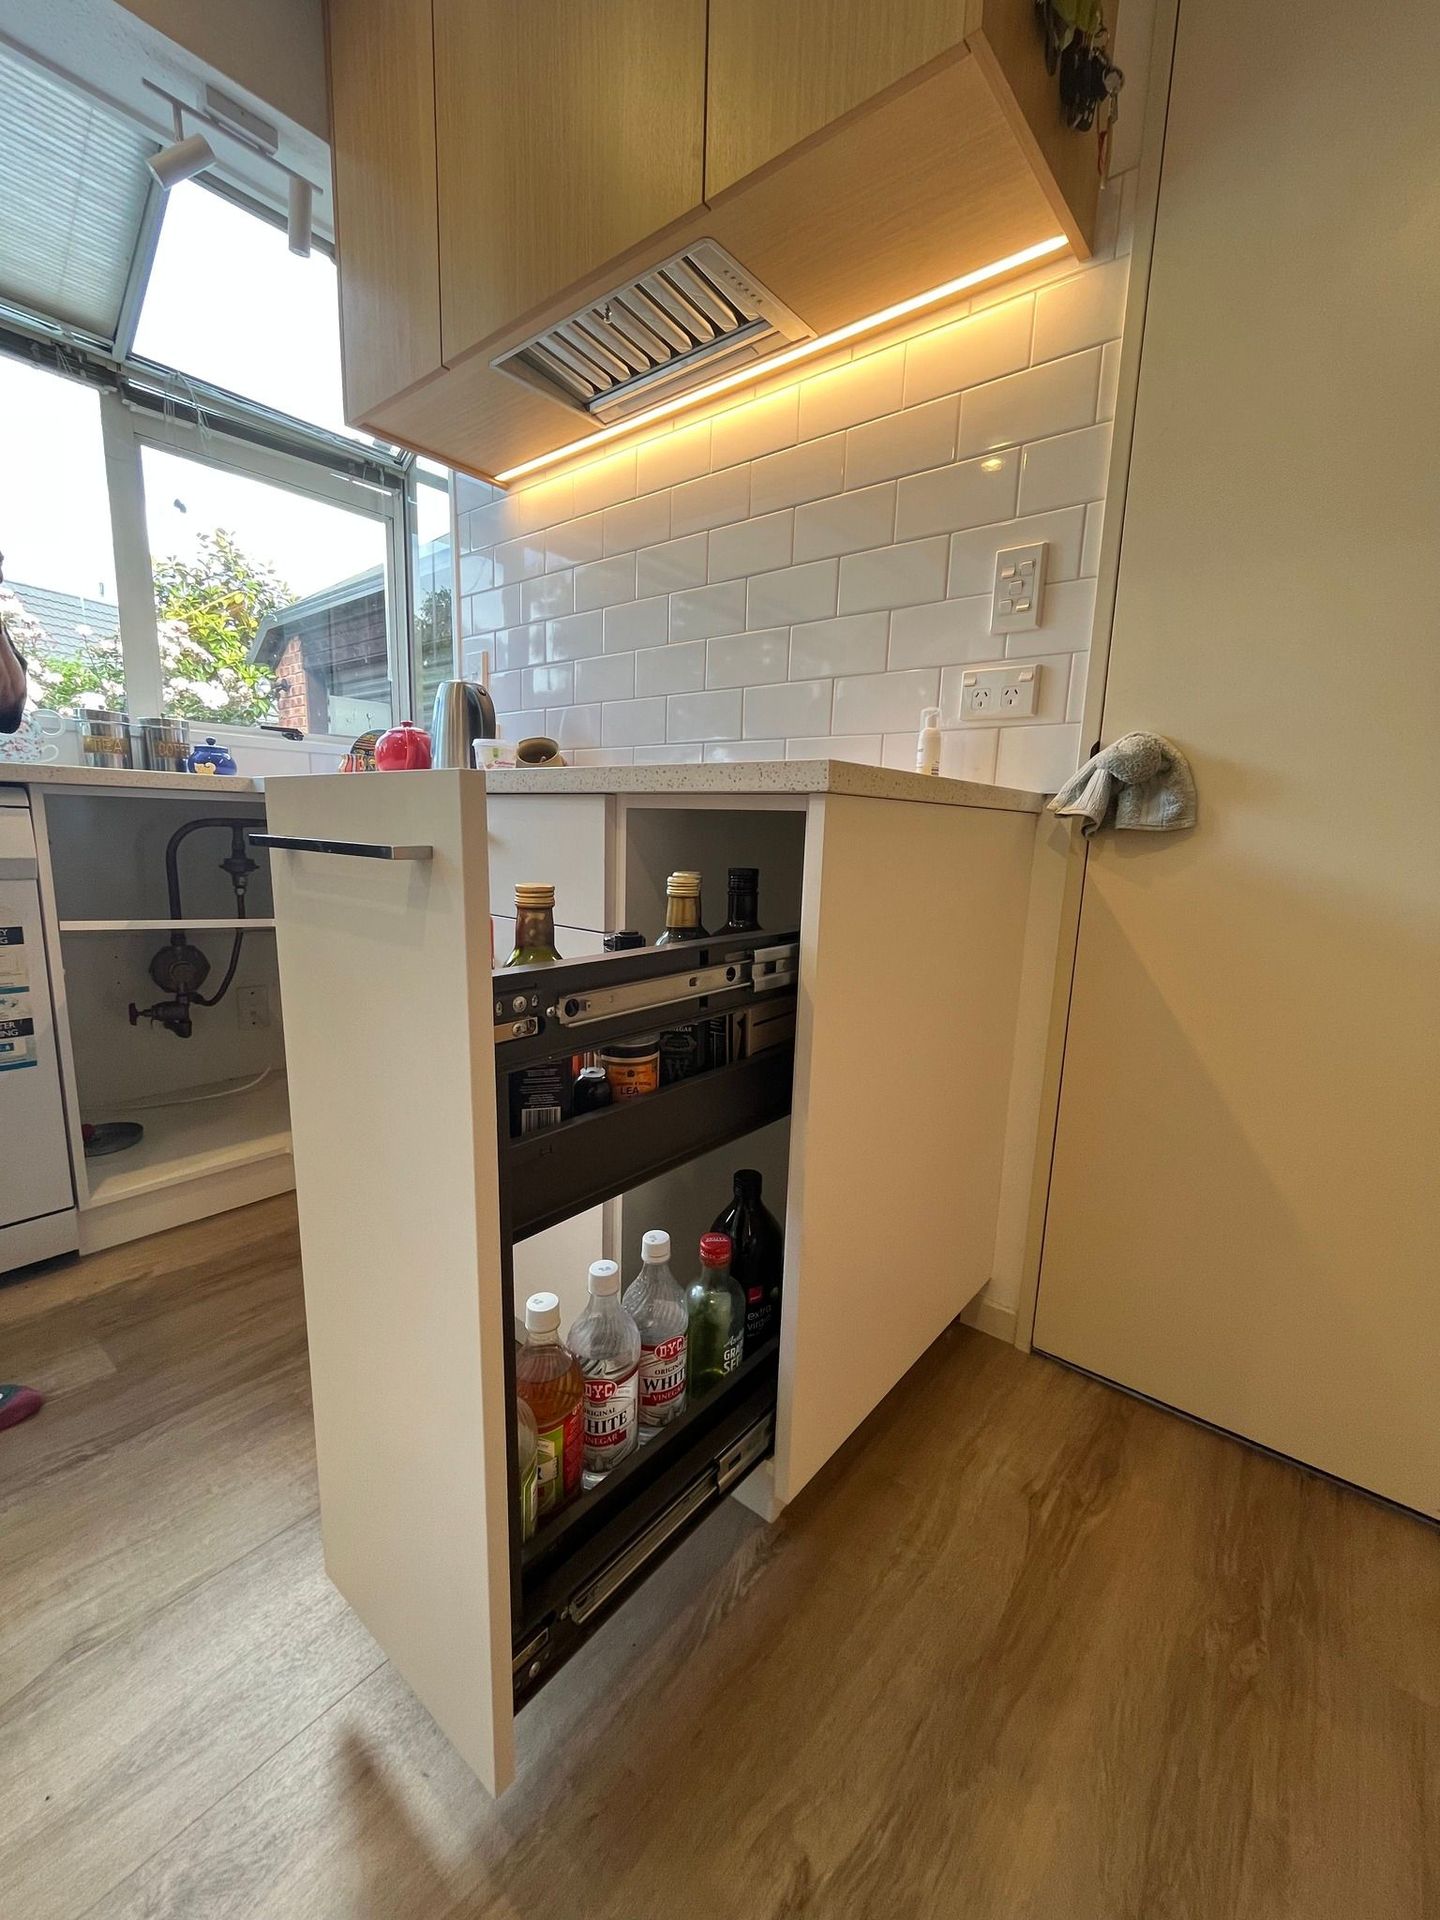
point(803, 572)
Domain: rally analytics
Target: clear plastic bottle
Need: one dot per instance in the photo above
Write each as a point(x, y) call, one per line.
point(527, 1453)
point(606, 1345)
point(657, 1301)
point(716, 1307)
point(548, 1379)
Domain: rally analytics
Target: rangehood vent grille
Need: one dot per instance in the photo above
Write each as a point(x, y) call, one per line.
point(685, 321)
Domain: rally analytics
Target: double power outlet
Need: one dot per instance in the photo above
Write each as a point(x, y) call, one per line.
point(1000, 693)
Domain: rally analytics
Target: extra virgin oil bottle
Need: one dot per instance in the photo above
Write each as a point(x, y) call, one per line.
point(758, 1258)
point(534, 925)
point(682, 910)
point(606, 1344)
point(658, 1305)
point(550, 1383)
point(716, 1310)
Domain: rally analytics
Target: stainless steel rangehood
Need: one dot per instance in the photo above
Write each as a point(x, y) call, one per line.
point(693, 317)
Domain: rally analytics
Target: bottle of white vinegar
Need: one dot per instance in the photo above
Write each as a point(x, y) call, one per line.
point(606, 1343)
point(657, 1300)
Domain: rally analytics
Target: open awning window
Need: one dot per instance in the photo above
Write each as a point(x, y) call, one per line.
point(73, 189)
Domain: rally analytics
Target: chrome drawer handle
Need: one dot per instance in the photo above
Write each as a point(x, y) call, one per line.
point(352, 849)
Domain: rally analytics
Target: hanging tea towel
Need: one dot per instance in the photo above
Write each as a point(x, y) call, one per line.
point(1144, 777)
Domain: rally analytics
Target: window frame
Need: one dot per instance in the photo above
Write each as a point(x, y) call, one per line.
point(143, 403)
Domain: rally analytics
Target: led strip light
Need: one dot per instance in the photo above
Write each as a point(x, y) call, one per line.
point(791, 356)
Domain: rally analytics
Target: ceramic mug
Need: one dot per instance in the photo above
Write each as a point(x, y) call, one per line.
point(34, 739)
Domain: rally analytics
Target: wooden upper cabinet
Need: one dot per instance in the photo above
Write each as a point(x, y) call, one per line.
point(382, 137)
point(568, 131)
point(781, 70)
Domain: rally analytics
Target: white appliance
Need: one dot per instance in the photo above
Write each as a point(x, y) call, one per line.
point(37, 1196)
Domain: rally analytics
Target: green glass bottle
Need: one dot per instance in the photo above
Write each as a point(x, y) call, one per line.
point(534, 925)
point(682, 910)
point(715, 1334)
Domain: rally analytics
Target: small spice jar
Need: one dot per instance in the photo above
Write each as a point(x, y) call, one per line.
point(632, 1066)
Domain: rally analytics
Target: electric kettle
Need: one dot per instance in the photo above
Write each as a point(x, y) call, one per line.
point(464, 712)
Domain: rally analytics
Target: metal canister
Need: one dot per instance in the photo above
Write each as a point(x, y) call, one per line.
point(105, 738)
point(165, 745)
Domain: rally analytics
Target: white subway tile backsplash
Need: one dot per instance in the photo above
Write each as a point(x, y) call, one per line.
point(731, 750)
point(820, 554)
point(546, 686)
point(747, 659)
point(806, 472)
point(1109, 394)
point(969, 493)
point(575, 726)
point(1085, 311)
point(705, 716)
point(759, 427)
point(906, 442)
point(1037, 759)
point(547, 596)
point(699, 612)
point(751, 546)
point(793, 593)
point(604, 583)
point(902, 576)
point(1067, 618)
point(574, 542)
point(715, 500)
point(632, 723)
point(677, 563)
point(884, 702)
point(1064, 469)
point(864, 748)
point(863, 390)
point(1090, 546)
point(518, 559)
point(972, 553)
point(505, 690)
point(678, 669)
point(673, 457)
point(800, 708)
point(603, 482)
point(637, 623)
point(608, 676)
point(637, 523)
point(854, 643)
point(982, 347)
point(677, 754)
point(520, 647)
point(968, 753)
point(846, 523)
point(941, 632)
point(1027, 406)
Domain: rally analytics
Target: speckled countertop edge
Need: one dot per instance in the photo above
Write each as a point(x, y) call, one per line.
point(49, 773)
point(767, 776)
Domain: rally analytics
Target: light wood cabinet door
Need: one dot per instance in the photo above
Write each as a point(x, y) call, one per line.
point(780, 70)
point(566, 134)
point(382, 137)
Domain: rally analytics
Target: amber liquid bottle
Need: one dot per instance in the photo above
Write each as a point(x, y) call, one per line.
point(548, 1379)
point(682, 910)
point(534, 925)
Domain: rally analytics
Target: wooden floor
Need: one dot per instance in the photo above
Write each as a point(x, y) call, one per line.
point(1027, 1649)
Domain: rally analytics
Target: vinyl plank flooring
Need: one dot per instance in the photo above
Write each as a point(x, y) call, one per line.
point(1027, 1648)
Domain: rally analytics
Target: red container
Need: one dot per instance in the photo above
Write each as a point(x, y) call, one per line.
point(404, 749)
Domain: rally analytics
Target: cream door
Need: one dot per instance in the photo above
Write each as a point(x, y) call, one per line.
point(1242, 1218)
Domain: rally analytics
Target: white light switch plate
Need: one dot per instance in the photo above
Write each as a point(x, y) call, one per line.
point(1019, 588)
point(1000, 693)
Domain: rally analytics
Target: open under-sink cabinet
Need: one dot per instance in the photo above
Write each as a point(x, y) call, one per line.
point(423, 1224)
